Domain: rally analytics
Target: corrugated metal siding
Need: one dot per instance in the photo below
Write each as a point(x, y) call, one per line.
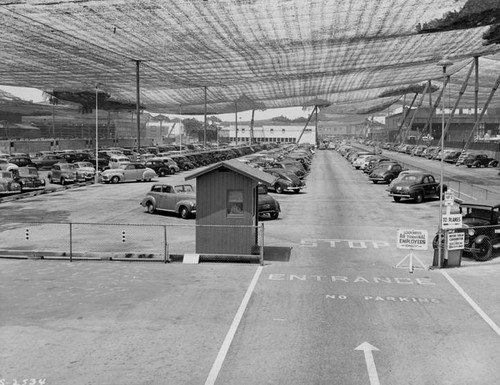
point(211, 211)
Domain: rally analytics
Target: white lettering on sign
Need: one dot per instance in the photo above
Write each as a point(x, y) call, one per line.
point(451, 221)
point(412, 239)
point(334, 296)
point(345, 279)
point(350, 243)
point(455, 241)
point(449, 198)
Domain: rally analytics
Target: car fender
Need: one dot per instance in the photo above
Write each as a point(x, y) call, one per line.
point(184, 202)
point(480, 239)
point(148, 199)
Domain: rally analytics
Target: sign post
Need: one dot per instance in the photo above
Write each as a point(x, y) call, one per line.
point(412, 240)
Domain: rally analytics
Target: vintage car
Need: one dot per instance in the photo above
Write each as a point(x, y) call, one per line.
point(178, 199)
point(129, 172)
point(47, 161)
point(8, 185)
point(85, 171)
point(479, 160)
point(267, 204)
point(385, 172)
point(160, 167)
point(285, 180)
point(62, 173)
point(6, 165)
point(22, 161)
point(29, 179)
point(416, 185)
point(481, 226)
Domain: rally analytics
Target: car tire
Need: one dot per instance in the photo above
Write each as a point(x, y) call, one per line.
point(63, 181)
point(278, 189)
point(163, 173)
point(115, 180)
point(274, 215)
point(493, 163)
point(389, 179)
point(375, 181)
point(150, 208)
point(296, 191)
point(469, 165)
point(486, 248)
point(184, 212)
point(419, 197)
point(397, 199)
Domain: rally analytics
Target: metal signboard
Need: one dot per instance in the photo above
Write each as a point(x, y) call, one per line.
point(412, 239)
point(449, 198)
point(451, 221)
point(455, 241)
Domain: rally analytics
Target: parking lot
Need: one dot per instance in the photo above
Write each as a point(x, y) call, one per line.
point(307, 318)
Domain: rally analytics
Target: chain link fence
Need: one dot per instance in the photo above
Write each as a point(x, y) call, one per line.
point(104, 241)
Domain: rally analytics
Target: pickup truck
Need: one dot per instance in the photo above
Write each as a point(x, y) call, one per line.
point(178, 199)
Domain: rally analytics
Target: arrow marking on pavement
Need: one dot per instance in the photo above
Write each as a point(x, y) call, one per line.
point(370, 363)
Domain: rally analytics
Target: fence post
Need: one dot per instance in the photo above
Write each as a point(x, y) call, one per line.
point(262, 244)
point(165, 244)
point(70, 242)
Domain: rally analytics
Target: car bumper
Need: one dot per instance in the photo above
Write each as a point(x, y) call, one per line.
point(400, 195)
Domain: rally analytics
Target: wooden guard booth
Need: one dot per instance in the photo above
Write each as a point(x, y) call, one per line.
point(227, 207)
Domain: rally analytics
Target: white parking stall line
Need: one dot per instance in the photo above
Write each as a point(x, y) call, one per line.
point(221, 356)
point(473, 304)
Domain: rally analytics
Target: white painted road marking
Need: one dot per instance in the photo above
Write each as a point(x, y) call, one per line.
point(214, 372)
point(370, 362)
point(471, 302)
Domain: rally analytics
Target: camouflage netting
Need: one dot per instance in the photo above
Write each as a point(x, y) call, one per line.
point(350, 56)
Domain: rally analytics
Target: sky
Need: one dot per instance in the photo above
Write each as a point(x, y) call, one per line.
point(35, 95)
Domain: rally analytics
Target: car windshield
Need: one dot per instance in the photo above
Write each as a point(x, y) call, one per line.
point(84, 164)
point(67, 167)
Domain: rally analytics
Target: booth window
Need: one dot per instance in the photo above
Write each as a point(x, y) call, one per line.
point(234, 202)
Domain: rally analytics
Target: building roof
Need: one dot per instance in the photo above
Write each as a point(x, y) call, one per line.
point(350, 56)
point(239, 167)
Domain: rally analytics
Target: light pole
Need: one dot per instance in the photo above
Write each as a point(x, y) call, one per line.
point(441, 244)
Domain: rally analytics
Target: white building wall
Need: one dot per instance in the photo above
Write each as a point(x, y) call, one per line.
point(271, 133)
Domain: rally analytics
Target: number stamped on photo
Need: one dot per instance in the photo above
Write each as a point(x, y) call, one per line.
point(23, 381)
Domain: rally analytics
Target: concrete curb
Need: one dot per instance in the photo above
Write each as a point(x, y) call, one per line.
point(122, 257)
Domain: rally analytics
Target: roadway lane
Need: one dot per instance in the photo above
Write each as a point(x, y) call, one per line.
point(340, 290)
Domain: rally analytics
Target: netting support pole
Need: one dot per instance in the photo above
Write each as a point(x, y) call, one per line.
point(138, 106)
point(307, 123)
point(419, 104)
point(205, 115)
point(405, 115)
point(481, 115)
point(236, 121)
point(461, 93)
point(165, 244)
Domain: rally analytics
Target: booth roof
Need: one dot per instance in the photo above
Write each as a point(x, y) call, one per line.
point(239, 167)
point(246, 54)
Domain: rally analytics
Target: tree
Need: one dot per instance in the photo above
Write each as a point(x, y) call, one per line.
point(192, 126)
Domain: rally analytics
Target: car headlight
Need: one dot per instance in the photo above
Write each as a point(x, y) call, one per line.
point(471, 232)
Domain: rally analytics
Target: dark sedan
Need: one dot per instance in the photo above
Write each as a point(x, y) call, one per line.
point(385, 172)
point(416, 185)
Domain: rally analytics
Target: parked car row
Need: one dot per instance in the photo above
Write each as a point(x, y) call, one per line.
point(403, 184)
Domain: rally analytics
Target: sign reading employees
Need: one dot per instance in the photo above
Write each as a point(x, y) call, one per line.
point(412, 239)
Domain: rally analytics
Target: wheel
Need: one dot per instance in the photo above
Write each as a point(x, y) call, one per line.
point(397, 199)
point(184, 212)
point(63, 181)
point(419, 198)
point(274, 215)
point(296, 191)
point(389, 179)
point(150, 208)
point(163, 173)
point(493, 163)
point(484, 252)
point(375, 181)
point(477, 165)
point(469, 165)
point(186, 168)
point(115, 180)
point(278, 189)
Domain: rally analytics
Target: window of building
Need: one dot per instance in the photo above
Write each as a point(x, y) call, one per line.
point(234, 202)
